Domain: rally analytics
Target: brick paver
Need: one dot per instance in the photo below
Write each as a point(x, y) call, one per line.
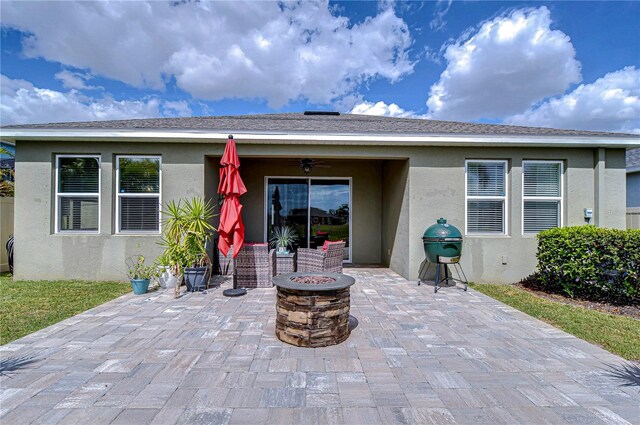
point(413, 357)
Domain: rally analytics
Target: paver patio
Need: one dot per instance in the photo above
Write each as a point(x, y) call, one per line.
point(412, 357)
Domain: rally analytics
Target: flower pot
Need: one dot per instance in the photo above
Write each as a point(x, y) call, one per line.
point(167, 279)
point(140, 286)
point(196, 278)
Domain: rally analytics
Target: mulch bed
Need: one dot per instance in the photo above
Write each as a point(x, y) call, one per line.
point(531, 285)
point(317, 280)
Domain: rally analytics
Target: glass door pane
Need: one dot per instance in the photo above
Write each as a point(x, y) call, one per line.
point(329, 211)
point(287, 205)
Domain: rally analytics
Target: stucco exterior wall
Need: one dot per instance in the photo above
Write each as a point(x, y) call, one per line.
point(366, 192)
point(394, 199)
point(437, 190)
point(395, 215)
point(42, 254)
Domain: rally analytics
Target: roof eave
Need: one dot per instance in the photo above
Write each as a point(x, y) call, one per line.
point(250, 137)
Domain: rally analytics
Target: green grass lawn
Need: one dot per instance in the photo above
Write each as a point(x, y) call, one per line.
point(617, 334)
point(27, 306)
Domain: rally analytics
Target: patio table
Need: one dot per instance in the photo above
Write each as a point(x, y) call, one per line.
point(285, 263)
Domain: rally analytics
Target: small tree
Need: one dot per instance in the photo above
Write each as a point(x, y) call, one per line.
point(7, 177)
point(186, 230)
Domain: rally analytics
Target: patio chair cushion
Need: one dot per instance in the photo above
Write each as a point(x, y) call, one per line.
point(326, 244)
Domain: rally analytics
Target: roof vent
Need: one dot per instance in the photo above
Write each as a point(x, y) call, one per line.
point(321, 113)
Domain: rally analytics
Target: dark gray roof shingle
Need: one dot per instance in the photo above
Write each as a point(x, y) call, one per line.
point(300, 123)
point(633, 158)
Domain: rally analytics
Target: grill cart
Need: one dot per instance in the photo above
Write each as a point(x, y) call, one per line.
point(442, 246)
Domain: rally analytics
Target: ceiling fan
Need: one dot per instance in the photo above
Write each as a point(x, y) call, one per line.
point(308, 164)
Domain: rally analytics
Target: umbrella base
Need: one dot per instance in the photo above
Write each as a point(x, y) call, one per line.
point(234, 292)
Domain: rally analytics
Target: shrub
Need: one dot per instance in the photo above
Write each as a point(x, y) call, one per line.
point(591, 263)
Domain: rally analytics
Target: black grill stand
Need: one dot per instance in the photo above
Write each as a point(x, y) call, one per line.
point(448, 280)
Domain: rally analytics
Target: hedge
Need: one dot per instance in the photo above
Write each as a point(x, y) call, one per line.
point(590, 263)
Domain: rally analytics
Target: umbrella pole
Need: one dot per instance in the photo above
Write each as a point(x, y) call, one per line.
point(234, 291)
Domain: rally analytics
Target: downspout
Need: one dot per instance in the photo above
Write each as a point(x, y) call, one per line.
point(599, 195)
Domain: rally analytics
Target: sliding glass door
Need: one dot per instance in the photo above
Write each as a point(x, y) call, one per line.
point(319, 209)
point(287, 205)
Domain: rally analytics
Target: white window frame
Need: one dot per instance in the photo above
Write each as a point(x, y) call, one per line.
point(504, 199)
point(138, 195)
point(59, 195)
point(544, 198)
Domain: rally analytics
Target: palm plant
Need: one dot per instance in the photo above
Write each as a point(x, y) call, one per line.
point(198, 214)
point(283, 237)
point(186, 230)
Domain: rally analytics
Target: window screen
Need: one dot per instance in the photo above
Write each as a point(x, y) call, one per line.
point(138, 194)
point(78, 193)
point(542, 195)
point(486, 197)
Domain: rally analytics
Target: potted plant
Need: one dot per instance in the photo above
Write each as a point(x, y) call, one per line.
point(283, 237)
point(168, 276)
point(140, 274)
point(187, 229)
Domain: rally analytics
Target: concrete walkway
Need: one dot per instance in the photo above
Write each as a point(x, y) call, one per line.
point(412, 358)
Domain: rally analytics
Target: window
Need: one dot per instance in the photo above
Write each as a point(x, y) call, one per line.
point(486, 194)
point(542, 195)
point(318, 208)
point(138, 194)
point(77, 193)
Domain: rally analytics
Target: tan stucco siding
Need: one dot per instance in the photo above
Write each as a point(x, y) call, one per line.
point(42, 254)
point(395, 215)
point(615, 189)
point(437, 184)
point(366, 197)
point(397, 192)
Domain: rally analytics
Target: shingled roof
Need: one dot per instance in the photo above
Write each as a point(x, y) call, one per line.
point(633, 159)
point(300, 123)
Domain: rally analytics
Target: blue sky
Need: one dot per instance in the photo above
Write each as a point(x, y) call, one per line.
point(573, 64)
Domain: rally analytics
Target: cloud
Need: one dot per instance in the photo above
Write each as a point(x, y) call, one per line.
point(179, 108)
point(441, 10)
point(278, 51)
point(611, 103)
point(382, 109)
point(74, 80)
point(504, 67)
point(23, 103)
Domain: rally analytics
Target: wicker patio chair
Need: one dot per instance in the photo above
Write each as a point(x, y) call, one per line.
point(255, 266)
point(318, 260)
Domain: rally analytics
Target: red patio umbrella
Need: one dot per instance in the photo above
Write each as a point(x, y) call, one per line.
point(231, 186)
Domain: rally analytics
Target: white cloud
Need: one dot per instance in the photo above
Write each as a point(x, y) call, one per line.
point(179, 108)
point(503, 67)
point(382, 109)
point(278, 51)
point(23, 103)
point(611, 103)
point(74, 80)
point(441, 10)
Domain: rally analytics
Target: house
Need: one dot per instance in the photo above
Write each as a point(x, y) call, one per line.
point(88, 193)
point(633, 189)
point(633, 178)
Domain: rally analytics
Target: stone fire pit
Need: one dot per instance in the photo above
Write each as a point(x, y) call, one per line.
point(313, 308)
